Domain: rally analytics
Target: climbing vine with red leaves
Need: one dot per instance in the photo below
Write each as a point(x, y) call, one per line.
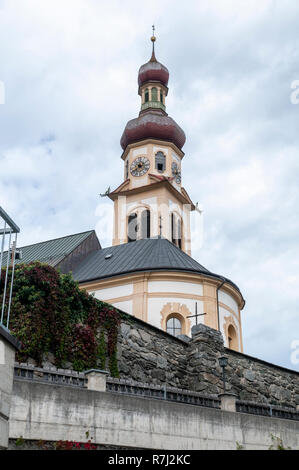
point(51, 314)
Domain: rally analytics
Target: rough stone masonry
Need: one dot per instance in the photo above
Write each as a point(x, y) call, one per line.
point(148, 354)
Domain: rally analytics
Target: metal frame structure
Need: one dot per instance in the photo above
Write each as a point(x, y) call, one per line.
point(10, 228)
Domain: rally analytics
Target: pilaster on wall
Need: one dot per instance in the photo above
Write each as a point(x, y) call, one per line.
point(210, 305)
point(205, 348)
point(8, 346)
point(140, 289)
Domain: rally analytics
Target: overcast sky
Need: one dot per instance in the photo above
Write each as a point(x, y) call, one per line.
point(69, 69)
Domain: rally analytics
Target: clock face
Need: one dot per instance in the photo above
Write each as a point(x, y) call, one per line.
point(139, 166)
point(176, 172)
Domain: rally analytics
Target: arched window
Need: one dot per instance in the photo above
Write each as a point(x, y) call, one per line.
point(146, 95)
point(132, 227)
point(173, 228)
point(145, 224)
point(176, 230)
point(154, 94)
point(139, 225)
point(232, 338)
point(174, 326)
point(161, 96)
point(179, 230)
point(160, 162)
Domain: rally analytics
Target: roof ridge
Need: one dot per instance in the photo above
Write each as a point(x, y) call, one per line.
point(54, 239)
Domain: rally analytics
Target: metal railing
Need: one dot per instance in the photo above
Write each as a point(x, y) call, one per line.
point(10, 229)
point(55, 376)
point(261, 409)
point(159, 392)
point(68, 377)
point(51, 376)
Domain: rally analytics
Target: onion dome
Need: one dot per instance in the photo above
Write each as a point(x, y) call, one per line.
point(153, 71)
point(153, 121)
point(153, 124)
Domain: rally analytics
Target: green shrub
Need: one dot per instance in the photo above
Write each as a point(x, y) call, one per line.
point(50, 313)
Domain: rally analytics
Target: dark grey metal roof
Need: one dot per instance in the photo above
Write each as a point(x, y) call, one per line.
point(152, 254)
point(50, 251)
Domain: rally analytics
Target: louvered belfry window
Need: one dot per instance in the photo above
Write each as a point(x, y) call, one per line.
point(179, 233)
point(145, 224)
point(132, 227)
point(176, 230)
point(139, 225)
point(160, 162)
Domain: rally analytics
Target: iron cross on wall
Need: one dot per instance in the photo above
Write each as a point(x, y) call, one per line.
point(196, 314)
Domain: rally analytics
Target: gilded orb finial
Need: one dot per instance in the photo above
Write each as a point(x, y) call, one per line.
point(153, 39)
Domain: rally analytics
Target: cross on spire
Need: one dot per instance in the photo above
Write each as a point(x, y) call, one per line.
point(153, 39)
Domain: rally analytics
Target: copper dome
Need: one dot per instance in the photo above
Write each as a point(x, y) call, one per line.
point(153, 71)
point(155, 125)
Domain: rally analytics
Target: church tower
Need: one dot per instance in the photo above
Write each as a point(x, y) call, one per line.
point(151, 201)
point(148, 271)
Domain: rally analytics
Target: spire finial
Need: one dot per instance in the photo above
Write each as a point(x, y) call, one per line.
point(153, 39)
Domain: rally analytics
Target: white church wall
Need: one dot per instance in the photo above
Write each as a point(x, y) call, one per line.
point(177, 186)
point(125, 306)
point(151, 201)
point(139, 151)
point(136, 182)
point(174, 207)
point(163, 149)
point(155, 306)
point(175, 286)
point(114, 292)
point(175, 157)
point(228, 300)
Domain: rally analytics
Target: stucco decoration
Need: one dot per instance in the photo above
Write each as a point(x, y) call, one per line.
point(179, 311)
point(229, 321)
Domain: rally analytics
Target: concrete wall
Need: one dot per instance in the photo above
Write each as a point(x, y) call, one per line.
point(52, 413)
point(7, 359)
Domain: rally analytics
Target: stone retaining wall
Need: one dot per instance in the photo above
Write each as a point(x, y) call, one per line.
point(250, 378)
point(148, 354)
